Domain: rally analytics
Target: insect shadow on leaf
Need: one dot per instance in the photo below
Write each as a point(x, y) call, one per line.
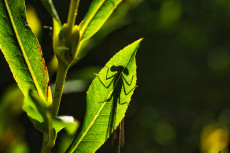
point(117, 76)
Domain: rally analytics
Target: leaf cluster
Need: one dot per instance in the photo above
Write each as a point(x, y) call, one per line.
point(23, 53)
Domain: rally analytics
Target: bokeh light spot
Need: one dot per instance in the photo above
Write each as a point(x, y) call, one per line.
point(164, 133)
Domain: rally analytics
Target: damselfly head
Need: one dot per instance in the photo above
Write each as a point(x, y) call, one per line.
point(119, 69)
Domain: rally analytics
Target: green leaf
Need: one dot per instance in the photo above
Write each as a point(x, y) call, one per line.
point(51, 9)
point(38, 111)
point(99, 12)
point(119, 75)
point(68, 122)
point(22, 50)
point(40, 115)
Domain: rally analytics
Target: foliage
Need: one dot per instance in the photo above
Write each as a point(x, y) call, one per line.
point(183, 76)
point(25, 58)
point(99, 107)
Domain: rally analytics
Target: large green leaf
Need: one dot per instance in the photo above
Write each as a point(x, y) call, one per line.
point(22, 50)
point(51, 9)
point(98, 13)
point(103, 98)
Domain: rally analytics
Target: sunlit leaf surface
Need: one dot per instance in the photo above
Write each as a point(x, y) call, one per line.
point(22, 50)
point(108, 98)
point(98, 13)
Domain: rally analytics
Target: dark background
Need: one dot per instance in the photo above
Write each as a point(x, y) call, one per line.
point(183, 71)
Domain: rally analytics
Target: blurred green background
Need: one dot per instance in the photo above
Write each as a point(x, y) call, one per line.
point(182, 103)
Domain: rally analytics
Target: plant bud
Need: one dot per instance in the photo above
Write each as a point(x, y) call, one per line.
point(75, 38)
point(62, 47)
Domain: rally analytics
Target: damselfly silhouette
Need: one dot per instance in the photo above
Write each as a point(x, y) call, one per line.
point(119, 82)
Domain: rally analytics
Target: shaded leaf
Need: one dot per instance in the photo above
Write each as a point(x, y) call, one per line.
point(51, 9)
point(101, 100)
point(38, 111)
point(40, 115)
point(22, 50)
point(98, 13)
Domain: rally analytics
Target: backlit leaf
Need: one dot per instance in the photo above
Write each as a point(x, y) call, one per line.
point(22, 50)
point(99, 11)
point(106, 91)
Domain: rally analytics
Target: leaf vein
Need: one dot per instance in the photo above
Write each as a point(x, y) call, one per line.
point(35, 81)
point(13, 5)
point(91, 17)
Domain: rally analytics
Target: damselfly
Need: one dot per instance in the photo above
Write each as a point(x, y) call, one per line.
point(119, 82)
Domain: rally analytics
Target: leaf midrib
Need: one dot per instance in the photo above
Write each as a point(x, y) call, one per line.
point(90, 18)
point(96, 116)
point(23, 52)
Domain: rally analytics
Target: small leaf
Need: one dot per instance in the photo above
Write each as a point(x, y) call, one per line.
point(68, 122)
point(99, 12)
point(22, 50)
point(39, 113)
point(51, 9)
point(37, 110)
point(108, 98)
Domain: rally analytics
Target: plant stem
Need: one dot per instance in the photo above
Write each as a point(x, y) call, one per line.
point(50, 137)
point(60, 80)
point(71, 18)
point(47, 144)
point(62, 69)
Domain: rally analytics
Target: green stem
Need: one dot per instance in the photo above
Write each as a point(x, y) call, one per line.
point(50, 137)
point(62, 69)
point(47, 144)
point(60, 80)
point(71, 18)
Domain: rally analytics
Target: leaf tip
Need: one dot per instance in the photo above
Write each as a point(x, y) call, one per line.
point(140, 40)
point(137, 42)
